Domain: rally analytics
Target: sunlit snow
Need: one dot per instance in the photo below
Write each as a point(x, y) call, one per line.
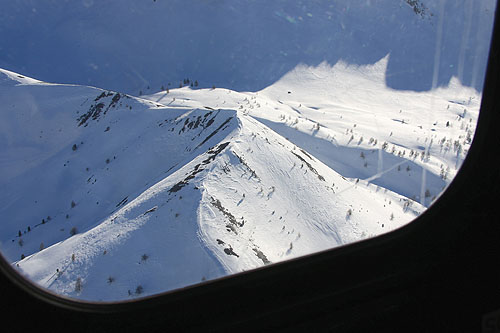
point(114, 197)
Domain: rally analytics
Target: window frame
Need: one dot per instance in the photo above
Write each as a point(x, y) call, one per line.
point(398, 279)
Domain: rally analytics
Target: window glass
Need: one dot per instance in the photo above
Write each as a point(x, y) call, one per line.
point(150, 145)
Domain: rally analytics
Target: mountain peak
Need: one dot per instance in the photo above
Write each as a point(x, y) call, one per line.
point(126, 197)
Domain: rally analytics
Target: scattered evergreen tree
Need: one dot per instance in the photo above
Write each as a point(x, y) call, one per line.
point(78, 285)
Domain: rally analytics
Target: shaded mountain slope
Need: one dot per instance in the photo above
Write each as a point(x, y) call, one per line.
point(137, 46)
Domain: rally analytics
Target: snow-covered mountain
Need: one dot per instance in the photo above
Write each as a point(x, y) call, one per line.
point(303, 126)
point(114, 196)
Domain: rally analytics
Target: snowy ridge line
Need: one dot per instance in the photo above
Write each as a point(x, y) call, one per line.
point(197, 193)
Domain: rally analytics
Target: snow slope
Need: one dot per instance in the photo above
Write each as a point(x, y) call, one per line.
point(325, 132)
point(345, 116)
point(106, 196)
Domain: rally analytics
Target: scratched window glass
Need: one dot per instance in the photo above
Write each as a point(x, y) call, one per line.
point(151, 145)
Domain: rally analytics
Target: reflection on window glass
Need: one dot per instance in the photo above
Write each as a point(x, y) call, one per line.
point(181, 141)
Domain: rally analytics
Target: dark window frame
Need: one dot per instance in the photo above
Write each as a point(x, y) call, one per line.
point(439, 273)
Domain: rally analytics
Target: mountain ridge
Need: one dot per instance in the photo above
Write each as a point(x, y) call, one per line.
point(155, 193)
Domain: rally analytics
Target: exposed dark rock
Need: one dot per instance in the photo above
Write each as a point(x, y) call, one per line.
point(213, 152)
point(229, 251)
point(261, 256)
point(310, 167)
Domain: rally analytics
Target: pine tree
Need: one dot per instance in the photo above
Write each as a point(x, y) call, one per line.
point(78, 285)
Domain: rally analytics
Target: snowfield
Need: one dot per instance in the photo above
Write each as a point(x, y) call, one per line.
point(105, 196)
